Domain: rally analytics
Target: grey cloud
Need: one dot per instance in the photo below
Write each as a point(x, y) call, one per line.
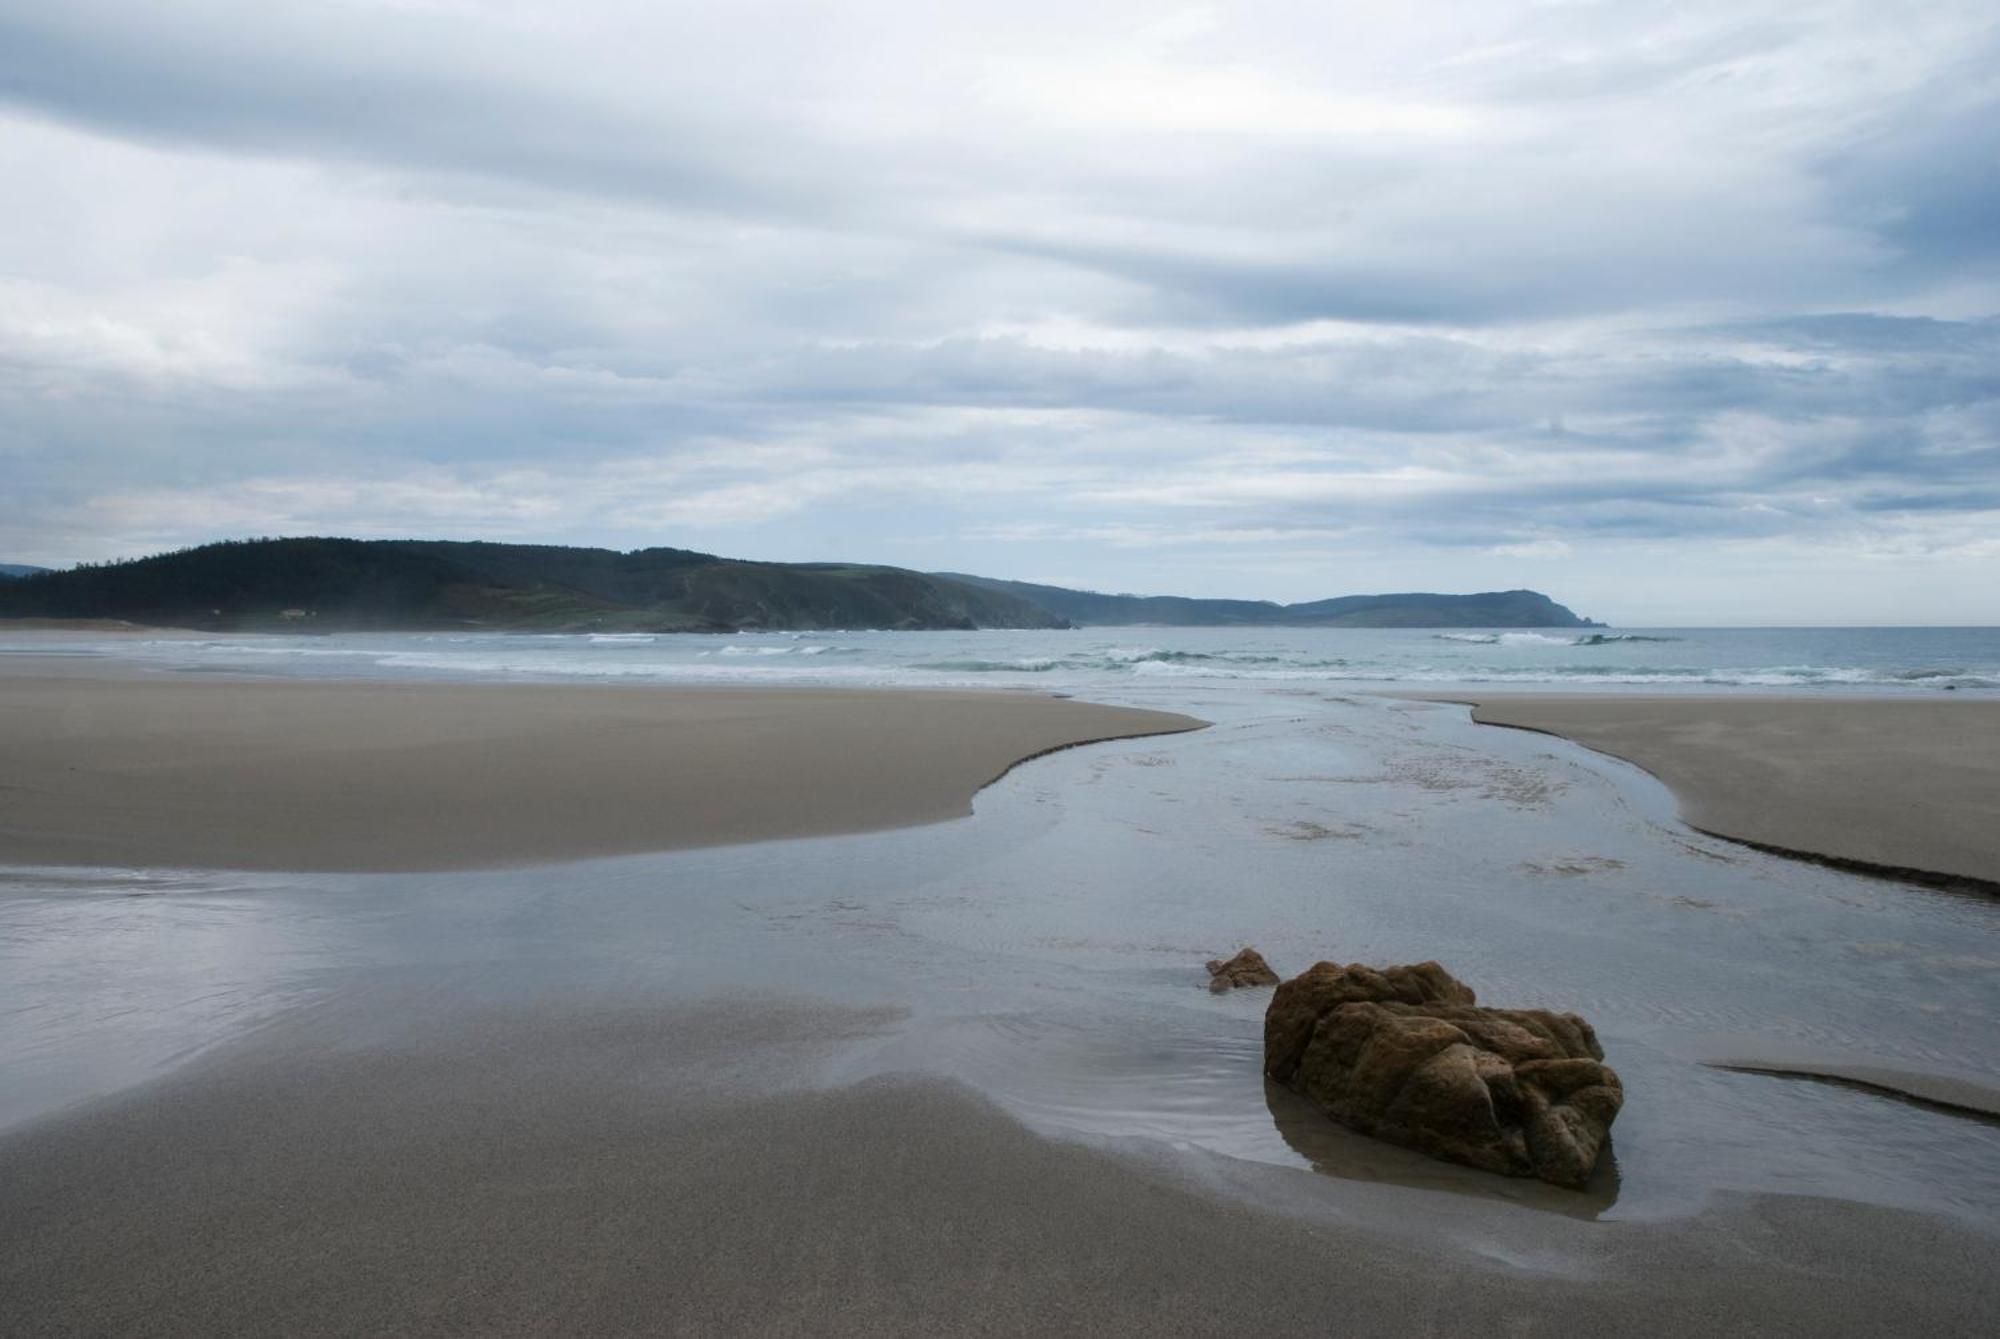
point(1928, 179)
point(1867, 332)
point(283, 81)
point(1554, 225)
point(1622, 274)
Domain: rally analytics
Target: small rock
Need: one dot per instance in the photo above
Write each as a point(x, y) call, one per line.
point(1407, 1055)
point(1247, 968)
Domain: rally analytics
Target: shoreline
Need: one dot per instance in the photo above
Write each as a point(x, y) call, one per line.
point(125, 770)
point(1888, 788)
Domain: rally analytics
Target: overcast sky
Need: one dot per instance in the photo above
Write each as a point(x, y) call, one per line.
point(1683, 313)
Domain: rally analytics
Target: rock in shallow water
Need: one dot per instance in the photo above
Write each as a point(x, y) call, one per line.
point(1406, 1054)
point(1247, 968)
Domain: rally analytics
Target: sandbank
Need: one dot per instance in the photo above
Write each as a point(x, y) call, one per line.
point(205, 772)
point(1905, 788)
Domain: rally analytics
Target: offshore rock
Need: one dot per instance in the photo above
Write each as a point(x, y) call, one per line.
point(1247, 968)
point(1406, 1054)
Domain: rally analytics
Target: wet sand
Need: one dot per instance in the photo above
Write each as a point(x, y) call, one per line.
point(1900, 787)
point(332, 776)
point(524, 1102)
point(587, 1171)
point(1946, 1092)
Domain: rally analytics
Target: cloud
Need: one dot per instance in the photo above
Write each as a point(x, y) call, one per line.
point(1244, 297)
point(1534, 548)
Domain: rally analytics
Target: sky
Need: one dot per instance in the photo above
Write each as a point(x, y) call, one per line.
point(1685, 314)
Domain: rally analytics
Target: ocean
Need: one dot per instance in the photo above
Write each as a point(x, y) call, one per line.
point(1873, 660)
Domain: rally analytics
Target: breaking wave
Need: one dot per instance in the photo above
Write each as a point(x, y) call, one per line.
point(1225, 663)
point(1903, 661)
point(1543, 639)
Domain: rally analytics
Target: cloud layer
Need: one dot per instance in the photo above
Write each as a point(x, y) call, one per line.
point(1680, 312)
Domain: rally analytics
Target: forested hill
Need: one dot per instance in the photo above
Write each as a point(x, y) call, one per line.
point(10, 570)
point(1489, 609)
point(328, 584)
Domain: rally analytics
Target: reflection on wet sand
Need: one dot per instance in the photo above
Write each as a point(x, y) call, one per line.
point(1334, 1150)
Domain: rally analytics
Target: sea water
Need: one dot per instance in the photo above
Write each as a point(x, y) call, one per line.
point(1916, 660)
point(1048, 951)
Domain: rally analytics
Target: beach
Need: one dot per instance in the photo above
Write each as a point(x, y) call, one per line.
point(246, 774)
point(1015, 670)
point(559, 1050)
point(579, 1173)
point(1902, 787)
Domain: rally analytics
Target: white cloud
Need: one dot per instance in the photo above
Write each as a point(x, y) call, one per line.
point(1316, 298)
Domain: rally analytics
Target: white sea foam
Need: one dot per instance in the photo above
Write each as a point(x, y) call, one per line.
point(1544, 639)
point(1900, 661)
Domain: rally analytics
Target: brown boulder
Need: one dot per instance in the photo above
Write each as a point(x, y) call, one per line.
point(1247, 968)
point(1407, 1055)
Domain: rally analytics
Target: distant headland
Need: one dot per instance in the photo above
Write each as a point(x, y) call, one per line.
point(325, 584)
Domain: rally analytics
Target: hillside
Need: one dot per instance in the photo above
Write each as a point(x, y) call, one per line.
point(1489, 609)
point(329, 584)
point(345, 584)
point(10, 570)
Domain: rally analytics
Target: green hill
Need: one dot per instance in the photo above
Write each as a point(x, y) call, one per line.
point(346, 584)
point(1489, 609)
point(329, 584)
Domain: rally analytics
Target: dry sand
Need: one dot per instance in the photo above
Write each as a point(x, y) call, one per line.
point(1896, 786)
point(250, 774)
point(663, 1171)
